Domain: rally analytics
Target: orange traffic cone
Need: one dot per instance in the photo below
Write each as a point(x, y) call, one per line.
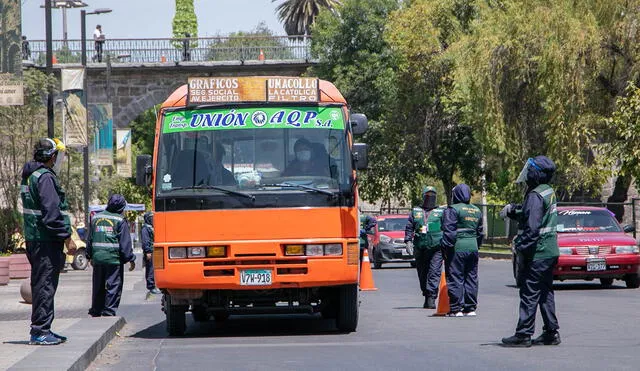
point(366, 276)
point(54, 60)
point(443, 298)
point(261, 56)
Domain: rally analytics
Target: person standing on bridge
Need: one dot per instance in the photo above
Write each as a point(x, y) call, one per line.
point(424, 235)
point(98, 40)
point(46, 228)
point(462, 235)
point(537, 250)
point(109, 247)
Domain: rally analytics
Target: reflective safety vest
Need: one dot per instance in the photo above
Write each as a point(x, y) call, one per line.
point(547, 246)
point(427, 233)
point(469, 218)
point(105, 245)
point(34, 228)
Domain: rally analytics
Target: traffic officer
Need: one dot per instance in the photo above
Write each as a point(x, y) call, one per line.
point(424, 233)
point(108, 249)
point(147, 250)
point(367, 225)
point(46, 227)
point(537, 250)
point(461, 238)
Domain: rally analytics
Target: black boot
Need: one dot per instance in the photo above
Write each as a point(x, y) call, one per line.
point(517, 340)
point(547, 338)
point(426, 302)
point(430, 303)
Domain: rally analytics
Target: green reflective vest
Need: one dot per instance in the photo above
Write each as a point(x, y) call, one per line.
point(547, 246)
point(105, 246)
point(426, 228)
point(469, 218)
point(34, 228)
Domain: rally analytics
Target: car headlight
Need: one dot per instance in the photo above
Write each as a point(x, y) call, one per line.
point(565, 251)
point(627, 249)
point(384, 238)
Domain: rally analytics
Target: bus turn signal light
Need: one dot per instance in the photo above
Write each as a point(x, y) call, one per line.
point(294, 250)
point(158, 258)
point(216, 251)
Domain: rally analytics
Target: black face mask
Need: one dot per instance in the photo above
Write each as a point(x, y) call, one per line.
point(429, 201)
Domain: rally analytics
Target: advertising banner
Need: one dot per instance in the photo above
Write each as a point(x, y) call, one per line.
point(123, 153)
point(101, 120)
point(11, 53)
point(252, 89)
point(75, 113)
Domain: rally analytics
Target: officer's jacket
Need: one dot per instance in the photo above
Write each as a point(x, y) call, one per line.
point(44, 205)
point(424, 227)
point(109, 241)
point(462, 222)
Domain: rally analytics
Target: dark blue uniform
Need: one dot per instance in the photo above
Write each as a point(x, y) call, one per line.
point(108, 264)
point(147, 248)
point(461, 238)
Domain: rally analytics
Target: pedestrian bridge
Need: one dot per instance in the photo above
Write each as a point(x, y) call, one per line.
point(136, 74)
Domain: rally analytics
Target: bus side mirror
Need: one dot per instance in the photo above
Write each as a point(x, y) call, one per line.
point(360, 156)
point(628, 228)
point(359, 123)
point(143, 170)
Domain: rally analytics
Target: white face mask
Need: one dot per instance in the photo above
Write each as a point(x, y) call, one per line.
point(303, 155)
point(57, 166)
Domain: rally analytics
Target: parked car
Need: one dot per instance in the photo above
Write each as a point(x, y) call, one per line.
point(594, 245)
point(388, 241)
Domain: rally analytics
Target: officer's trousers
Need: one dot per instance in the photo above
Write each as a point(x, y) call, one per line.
point(429, 267)
point(46, 263)
point(536, 289)
point(108, 281)
point(461, 269)
point(148, 272)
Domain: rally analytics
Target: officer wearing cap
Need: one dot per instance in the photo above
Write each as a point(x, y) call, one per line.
point(108, 249)
point(46, 227)
point(537, 249)
point(423, 234)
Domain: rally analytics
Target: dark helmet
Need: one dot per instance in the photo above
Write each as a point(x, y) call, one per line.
point(44, 149)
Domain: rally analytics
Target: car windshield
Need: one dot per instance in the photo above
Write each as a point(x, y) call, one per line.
point(299, 153)
point(392, 224)
point(576, 220)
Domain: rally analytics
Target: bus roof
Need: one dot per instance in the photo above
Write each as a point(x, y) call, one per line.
point(328, 94)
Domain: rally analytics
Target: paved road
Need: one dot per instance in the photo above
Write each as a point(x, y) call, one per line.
point(599, 329)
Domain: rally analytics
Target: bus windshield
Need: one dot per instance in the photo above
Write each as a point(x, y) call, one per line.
point(241, 157)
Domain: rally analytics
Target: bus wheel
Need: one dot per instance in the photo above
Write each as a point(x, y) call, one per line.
point(347, 319)
point(199, 313)
point(176, 321)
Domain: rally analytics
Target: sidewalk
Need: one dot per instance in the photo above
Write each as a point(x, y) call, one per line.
point(87, 336)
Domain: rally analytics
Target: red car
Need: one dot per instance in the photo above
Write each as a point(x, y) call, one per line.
point(387, 243)
point(594, 245)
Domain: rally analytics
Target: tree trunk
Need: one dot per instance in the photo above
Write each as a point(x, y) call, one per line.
point(620, 190)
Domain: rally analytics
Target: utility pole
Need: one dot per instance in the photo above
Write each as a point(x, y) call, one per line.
point(49, 66)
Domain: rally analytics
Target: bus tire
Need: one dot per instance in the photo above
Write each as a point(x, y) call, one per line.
point(199, 313)
point(347, 319)
point(176, 321)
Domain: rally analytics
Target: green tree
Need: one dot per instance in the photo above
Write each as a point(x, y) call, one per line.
point(298, 16)
point(246, 45)
point(624, 147)
point(185, 23)
point(143, 131)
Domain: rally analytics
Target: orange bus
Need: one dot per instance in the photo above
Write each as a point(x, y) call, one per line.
point(255, 200)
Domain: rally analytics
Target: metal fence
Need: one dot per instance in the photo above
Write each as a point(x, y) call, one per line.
point(201, 49)
point(500, 232)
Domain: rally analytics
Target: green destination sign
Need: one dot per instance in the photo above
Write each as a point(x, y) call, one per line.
point(253, 118)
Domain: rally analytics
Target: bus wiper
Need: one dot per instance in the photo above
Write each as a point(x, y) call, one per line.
point(305, 187)
point(225, 190)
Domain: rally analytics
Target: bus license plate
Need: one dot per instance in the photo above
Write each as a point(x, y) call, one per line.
point(255, 277)
point(594, 265)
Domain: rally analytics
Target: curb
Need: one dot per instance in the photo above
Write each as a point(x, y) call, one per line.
point(87, 338)
point(495, 255)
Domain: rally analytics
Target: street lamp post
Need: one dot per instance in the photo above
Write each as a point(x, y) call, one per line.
point(49, 68)
point(85, 149)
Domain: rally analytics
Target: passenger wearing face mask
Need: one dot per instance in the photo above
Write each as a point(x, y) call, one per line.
point(304, 164)
point(46, 227)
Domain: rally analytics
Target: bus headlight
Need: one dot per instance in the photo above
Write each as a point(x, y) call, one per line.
point(314, 250)
point(177, 252)
point(195, 252)
point(333, 249)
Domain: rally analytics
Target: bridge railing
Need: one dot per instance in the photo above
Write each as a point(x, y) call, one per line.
point(202, 49)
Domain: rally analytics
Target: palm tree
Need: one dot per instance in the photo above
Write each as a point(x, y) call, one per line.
point(298, 15)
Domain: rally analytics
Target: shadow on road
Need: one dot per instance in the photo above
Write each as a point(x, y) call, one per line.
point(16, 342)
point(579, 286)
point(248, 326)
